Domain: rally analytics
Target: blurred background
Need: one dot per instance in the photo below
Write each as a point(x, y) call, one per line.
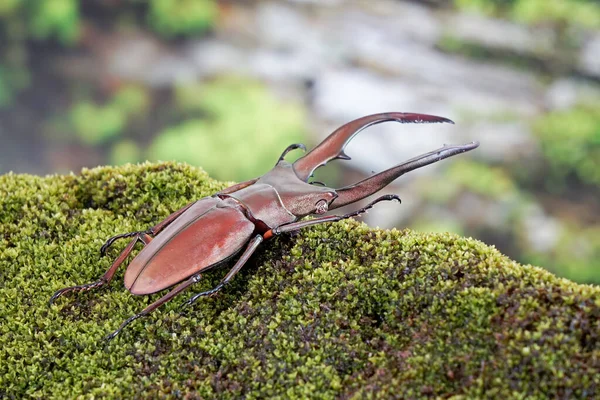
point(227, 85)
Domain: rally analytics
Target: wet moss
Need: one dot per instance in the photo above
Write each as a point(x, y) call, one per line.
point(339, 310)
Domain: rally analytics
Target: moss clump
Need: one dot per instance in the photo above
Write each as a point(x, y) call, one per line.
point(339, 310)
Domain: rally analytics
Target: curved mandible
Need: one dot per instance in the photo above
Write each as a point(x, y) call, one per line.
point(375, 183)
point(333, 146)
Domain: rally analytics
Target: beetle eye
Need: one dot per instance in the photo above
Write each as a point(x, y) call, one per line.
point(321, 207)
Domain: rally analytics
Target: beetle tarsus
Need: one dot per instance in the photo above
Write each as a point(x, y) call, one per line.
point(78, 288)
point(208, 293)
point(129, 320)
point(113, 239)
point(105, 279)
point(386, 197)
point(252, 246)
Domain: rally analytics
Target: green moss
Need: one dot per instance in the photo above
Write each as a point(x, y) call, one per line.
point(339, 310)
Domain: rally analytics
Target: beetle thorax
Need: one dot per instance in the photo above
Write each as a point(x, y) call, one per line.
point(298, 197)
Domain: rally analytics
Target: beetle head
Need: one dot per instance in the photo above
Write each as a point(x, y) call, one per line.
point(302, 198)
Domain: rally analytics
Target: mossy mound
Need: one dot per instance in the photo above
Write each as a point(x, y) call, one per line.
point(339, 310)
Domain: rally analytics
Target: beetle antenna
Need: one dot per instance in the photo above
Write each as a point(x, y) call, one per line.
point(291, 147)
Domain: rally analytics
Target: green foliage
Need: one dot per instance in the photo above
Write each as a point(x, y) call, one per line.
point(577, 13)
point(125, 151)
point(54, 18)
point(21, 21)
point(41, 20)
point(182, 17)
point(25, 21)
point(584, 13)
point(570, 141)
point(5, 90)
point(8, 7)
point(244, 130)
point(482, 179)
point(11, 81)
point(337, 311)
point(577, 255)
point(96, 124)
point(132, 100)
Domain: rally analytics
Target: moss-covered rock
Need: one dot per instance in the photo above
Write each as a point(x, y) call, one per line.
point(339, 310)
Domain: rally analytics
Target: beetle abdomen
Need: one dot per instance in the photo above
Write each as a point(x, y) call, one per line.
point(210, 231)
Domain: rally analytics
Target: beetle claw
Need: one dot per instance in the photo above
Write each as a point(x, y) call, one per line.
point(184, 306)
point(113, 239)
point(78, 288)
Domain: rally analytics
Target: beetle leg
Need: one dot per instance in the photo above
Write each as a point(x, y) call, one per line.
point(105, 279)
point(178, 289)
point(252, 246)
point(330, 218)
point(151, 231)
point(367, 187)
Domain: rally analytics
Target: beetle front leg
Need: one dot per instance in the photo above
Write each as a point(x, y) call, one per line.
point(155, 230)
point(108, 275)
point(294, 226)
point(252, 246)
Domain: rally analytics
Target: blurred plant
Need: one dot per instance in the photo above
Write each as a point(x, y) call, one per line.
point(585, 13)
point(40, 19)
point(94, 124)
point(53, 18)
point(125, 151)
point(482, 179)
point(23, 21)
point(180, 17)
point(576, 255)
point(570, 141)
point(11, 81)
point(242, 131)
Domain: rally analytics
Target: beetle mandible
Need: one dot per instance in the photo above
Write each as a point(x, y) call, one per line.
point(212, 230)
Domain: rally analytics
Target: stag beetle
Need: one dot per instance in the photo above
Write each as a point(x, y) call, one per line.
point(212, 230)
